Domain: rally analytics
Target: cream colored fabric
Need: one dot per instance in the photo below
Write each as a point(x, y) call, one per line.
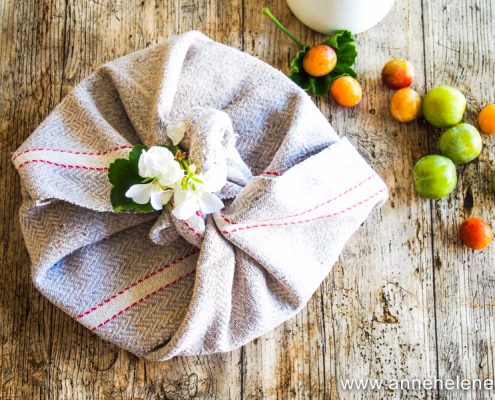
point(162, 287)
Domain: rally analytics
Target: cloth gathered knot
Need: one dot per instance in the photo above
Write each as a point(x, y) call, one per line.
point(159, 286)
point(209, 139)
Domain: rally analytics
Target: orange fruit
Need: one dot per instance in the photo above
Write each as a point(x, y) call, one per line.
point(397, 73)
point(476, 233)
point(486, 119)
point(319, 60)
point(346, 91)
point(405, 105)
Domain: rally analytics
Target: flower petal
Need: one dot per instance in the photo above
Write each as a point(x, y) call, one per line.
point(214, 179)
point(156, 198)
point(160, 153)
point(171, 173)
point(140, 193)
point(166, 196)
point(176, 132)
point(159, 162)
point(186, 204)
point(143, 165)
point(209, 203)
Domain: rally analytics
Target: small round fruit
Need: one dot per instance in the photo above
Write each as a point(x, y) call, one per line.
point(434, 177)
point(476, 233)
point(486, 119)
point(461, 143)
point(405, 105)
point(444, 106)
point(397, 73)
point(319, 60)
point(346, 91)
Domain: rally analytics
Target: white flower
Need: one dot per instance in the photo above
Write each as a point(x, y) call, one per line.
point(163, 177)
point(176, 132)
point(144, 192)
point(200, 198)
point(159, 162)
point(159, 165)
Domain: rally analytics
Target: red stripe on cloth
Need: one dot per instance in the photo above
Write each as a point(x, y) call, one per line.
point(228, 220)
point(87, 153)
point(225, 232)
point(141, 300)
point(192, 230)
point(310, 209)
point(271, 173)
point(83, 314)
point(68, 166)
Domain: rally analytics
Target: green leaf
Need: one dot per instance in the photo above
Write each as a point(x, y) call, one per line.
point(136, 153)
point(126, 172)
point(122, 174)
point(345, 48)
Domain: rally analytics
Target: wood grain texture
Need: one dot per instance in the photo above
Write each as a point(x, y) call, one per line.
point(31, 71)
point(464, 56)
point(405, 299)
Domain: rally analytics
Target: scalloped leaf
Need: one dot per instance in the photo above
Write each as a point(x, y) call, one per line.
point(345, 47)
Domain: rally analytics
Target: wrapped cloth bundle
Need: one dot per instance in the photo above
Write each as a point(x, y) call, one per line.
point(161, 287)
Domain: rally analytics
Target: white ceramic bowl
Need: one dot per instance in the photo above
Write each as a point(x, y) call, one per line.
point(327, 15)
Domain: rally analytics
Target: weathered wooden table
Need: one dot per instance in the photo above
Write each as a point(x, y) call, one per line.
point(405, 300)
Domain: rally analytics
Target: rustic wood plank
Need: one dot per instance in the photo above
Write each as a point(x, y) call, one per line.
point(381, 288)
point(460, 52)
point(382, 314)
point(34, 44)
point(31, 50)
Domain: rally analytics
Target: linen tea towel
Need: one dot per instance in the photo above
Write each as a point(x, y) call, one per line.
point(161, 287)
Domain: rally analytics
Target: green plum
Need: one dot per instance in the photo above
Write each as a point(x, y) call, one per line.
point(444, 106)
point(461, 143)
point(434, 176)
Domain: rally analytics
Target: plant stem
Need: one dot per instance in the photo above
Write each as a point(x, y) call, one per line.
point(268, 13)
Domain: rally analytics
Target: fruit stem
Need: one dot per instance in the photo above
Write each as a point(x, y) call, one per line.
point(268, 13)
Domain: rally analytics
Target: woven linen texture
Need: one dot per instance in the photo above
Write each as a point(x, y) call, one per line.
point(161, 287)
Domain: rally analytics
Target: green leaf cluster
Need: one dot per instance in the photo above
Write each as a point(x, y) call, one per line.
point(345, 48)
point(123, 173)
